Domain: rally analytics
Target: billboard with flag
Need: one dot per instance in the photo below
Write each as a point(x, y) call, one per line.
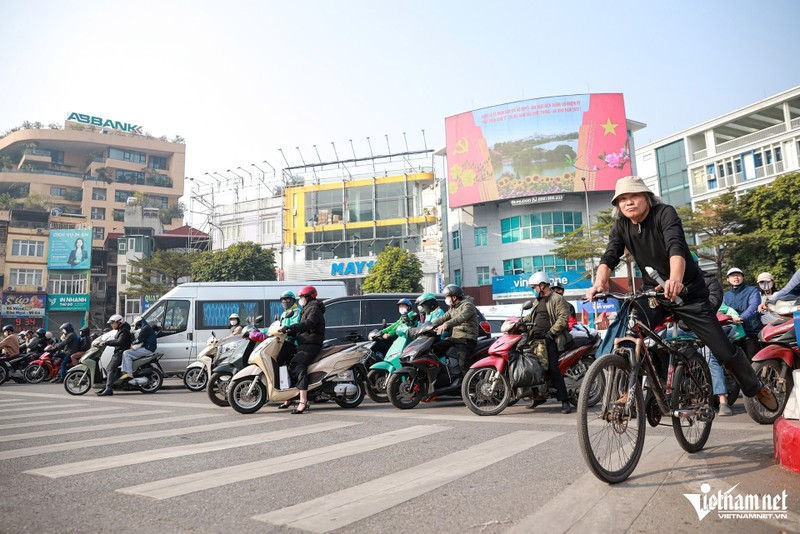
point(543, 146)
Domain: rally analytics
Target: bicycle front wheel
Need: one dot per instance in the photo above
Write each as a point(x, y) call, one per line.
point(611, 432)
point(691, 399)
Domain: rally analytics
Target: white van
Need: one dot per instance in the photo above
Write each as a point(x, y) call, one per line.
point(190, 312)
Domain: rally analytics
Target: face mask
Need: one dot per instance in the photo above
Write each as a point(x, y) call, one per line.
point(536, 292)
point(303, 301)
point(233, 323)
point(286, 304)
point(448, 301)
point(420, 309)
point(403, 310)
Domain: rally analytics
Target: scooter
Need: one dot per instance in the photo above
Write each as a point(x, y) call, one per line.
point(379, 372)
point(775, 362)
point(336, 373)
point(14, 367)
point(231, 363)
point(148, 376)
point(424, 375)
point(44, 367)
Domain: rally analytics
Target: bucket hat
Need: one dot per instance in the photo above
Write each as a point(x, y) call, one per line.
point(629, 184)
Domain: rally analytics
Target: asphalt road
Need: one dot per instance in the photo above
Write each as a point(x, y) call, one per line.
point(173, 462)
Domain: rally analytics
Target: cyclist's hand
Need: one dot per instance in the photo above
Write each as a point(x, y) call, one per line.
point(672, 288)
point(597, 288)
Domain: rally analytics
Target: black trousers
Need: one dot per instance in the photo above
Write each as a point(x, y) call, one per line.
point(556, 378)
point(286, 353)
point(298, 367)
point(112, 371)
point(458, 350)
point(702, 320)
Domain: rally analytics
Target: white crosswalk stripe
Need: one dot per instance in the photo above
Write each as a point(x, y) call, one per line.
point(173, 487)
point(21, 402)
point(61, 411)
point(140, 457)
point(60, 420)
point(29, 407)
point(347, 506)
point(127, 438)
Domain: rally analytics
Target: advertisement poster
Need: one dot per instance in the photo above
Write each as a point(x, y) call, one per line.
point(70, 249)
point(23, 305)
point(515, 286)
point(79, 302)
point(543, 146)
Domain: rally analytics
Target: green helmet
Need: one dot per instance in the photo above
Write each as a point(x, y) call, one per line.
point(288, 295)
point(425, 296)
point(426, 303)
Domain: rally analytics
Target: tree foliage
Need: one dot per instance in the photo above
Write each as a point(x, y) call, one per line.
point(239, 262)
point(581, 244)
point(159, 273)
point(396, 271)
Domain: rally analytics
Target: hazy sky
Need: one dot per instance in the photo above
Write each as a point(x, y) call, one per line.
point(240, 79)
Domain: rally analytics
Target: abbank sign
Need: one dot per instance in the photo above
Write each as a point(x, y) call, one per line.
point(351, 268)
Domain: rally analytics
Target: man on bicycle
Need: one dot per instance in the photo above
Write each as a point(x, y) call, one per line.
point(653, 233)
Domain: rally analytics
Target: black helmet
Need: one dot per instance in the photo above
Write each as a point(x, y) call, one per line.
point(41, 332)
point(85, 331)
point(556, 284)
point(8, 328)
point(68, 327)
point(452, 290)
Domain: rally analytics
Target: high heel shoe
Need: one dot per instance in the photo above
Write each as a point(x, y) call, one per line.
point(306, 408)
point(285, 405)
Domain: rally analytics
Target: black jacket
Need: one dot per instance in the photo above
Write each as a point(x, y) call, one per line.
point(147, 337)
point(311, 328)
point(71, 344)
point(652, 243)
point(123, 339)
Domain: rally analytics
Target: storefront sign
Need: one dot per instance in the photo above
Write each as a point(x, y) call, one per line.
point(515, 286)
point(23, 305)
point(351, 268)
point(70, 249)
point(537, 200)
point(107, 123)
point(78, 302)
point(149, 300)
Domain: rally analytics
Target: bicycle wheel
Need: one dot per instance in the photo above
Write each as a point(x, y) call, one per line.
point(693, 402)
point(611, 436)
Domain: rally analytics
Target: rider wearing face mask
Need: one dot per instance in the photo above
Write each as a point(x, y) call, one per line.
point(310, 332)
point(428, 306)
point(462, 321)
point(291, 315)
point(236, 325)
point(407, 318)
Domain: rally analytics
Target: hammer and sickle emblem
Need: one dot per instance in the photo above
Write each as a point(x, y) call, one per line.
point(462, 146)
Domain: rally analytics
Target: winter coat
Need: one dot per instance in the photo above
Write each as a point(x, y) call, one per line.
point(461, 320)
point(10, 344)
point(70, 345)
point(147, 337)
point(745, 300)
point(311, 328)
point(123, 340)
point(558, 310)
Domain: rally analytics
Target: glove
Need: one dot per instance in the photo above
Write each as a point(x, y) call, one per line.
point(283, 330)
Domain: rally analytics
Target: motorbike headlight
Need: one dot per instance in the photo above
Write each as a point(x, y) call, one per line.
point(346, 375)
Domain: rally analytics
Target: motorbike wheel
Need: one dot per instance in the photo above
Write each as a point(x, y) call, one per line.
point(354, 401)
point(154, 380)
point(35, 373)
point(476, 390)
point(376, 385)
point(402, 394)
point(78, 382)
point(769, 372)
point(19, 380)
point(3, 374)
point(195, 379)
point(218, 388)
point(244, 402)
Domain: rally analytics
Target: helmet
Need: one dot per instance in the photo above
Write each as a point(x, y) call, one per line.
point(258, 336)
point(309, 291)
point(765, 277)
point(556, 284)
point(24, 333)
point(287, 299)
point(288, 295)
point(233, 316)
point(115, 318)
point(84, 331)
point(537, 278)
point(8, 328)
point(41, 332)
point(405, 302)
point(427, 301)
point(68, 327)
point(734, 270)
point(48, 335)
point(137, 320)
point(452, 290)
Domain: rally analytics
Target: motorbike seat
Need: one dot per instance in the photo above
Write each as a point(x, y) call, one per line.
point(327, 351)
point(484, 343)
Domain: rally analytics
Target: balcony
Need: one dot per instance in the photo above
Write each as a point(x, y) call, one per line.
point(32, 155)
point(754, 137)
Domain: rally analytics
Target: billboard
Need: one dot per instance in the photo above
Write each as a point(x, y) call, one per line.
point(23, 305)
point(61, 302)
point(543, 146)
point(70, 249)
point(515, 286)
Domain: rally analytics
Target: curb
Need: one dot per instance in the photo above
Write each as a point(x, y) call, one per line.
point(786, 438)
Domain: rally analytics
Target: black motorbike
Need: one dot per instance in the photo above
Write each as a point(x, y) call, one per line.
point(424, 375)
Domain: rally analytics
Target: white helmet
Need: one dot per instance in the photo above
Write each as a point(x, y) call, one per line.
point(234, 316)
point(537, 278)
point(114, 318)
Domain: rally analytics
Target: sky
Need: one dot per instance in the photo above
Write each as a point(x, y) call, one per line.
point(241, 79)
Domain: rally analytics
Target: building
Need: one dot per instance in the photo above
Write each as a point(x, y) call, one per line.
point(742, 149)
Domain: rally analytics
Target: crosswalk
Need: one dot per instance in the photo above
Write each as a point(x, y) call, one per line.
point(87, 426)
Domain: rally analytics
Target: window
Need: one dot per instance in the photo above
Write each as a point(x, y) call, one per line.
point(122, 246)
point(481, 236)
point(539, 225)
point(778, 154)
point(345, 313)
point(57, 156)
point(99, 214)
point(122, 195)
point(27, 247)
point(231, 232)
point(118, 215)
point(123, 275)
point(531, 264)
point(156, 201)
point(484, 276)
point(68, 284)
point(58, 191)
point(157, 162)
point(127, 155)
point(270, 227)
point(376, 310)
point(457, 277)
point(456, 240)
point(98, 232)
point(171, 315)
point(133, 306)
point(214, 314)
point(98, 193)
point(130, 177)
point(26, 277)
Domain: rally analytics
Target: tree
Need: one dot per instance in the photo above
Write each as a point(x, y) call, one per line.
point(175, 211)
point(396, 271)
point(239, 262)
point(35, 201)
point(770, 225)
point(165, 266)
point(7, 202)
point(580, 244)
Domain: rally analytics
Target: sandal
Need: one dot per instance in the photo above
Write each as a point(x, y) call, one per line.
point(285, 405)
point(304, 410)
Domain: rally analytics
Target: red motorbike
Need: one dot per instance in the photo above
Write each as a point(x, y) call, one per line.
point(487, 387)
point(45, 367)
point(775, 362)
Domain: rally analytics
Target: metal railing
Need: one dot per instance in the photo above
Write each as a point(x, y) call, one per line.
point(795, 123)
point(752, 138)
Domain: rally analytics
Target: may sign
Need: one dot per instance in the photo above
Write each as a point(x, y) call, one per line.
point(351, 268)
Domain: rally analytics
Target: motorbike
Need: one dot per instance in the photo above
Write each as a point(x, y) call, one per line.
point(424, 375)
point(487, 388)
point(225, 367)
point(777, 359)
point(336, 373)
point(14, 367)
point(148, 376)
point(44, 367)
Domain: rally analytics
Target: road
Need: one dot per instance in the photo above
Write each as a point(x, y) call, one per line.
point(173, 462)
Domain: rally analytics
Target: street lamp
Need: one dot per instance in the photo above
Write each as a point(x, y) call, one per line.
point(237, 175)
point(588, 224)
point(248, 174)
point(215, 179)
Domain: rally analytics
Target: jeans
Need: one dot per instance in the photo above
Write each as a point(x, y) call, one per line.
point(718, 382)
point(133, 354)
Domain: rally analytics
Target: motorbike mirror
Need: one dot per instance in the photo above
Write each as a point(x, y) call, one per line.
point(383, 323)
point(528, 305)
point(276, 318)
point(213, 334)
point(258, 319)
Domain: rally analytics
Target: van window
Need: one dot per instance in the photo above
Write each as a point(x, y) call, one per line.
point(344, 313)
point(379, 309)
point(275, 308)
point(215, 314)
point(171, 315)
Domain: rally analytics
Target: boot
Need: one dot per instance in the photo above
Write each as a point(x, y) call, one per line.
point(566, 407)
point(106, 392)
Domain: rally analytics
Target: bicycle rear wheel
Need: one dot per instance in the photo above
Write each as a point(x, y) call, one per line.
point(610, 435)
point(693, 401)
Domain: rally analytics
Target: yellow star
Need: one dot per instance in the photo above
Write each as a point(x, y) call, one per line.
point(609, 127)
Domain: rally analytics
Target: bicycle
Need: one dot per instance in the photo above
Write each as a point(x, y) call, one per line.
point(611, 433)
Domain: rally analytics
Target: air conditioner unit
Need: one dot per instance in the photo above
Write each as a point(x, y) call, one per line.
point(11, 288)
point(40, 231)
point(39, 288)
